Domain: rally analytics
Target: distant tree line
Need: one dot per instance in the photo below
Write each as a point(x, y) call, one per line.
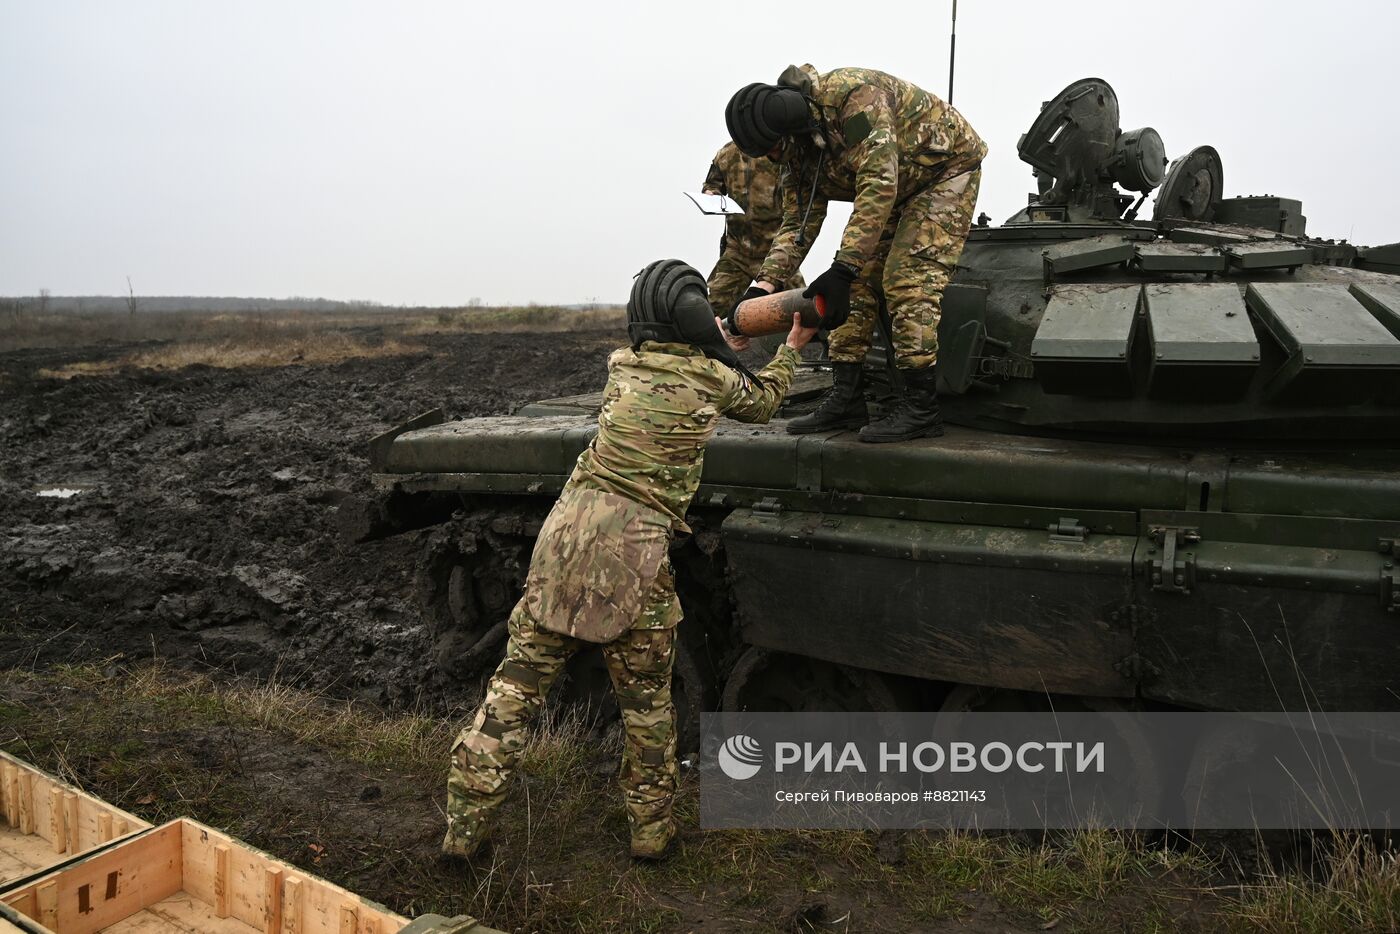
point(44, 303)
point(132, 304)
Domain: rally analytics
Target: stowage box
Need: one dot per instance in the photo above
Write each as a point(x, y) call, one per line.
point(1201, 346)
point(1082, 345)
point(1333, 347)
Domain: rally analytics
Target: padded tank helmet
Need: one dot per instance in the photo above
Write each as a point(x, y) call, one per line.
point(670, 303)
point(760, 116)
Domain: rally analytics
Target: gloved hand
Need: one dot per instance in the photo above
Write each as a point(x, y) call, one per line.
point(753, 292)
point(834, 286)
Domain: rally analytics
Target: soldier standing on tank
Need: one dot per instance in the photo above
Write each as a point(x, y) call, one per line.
point(753, 184)
point(910, 164)
point(600, 572)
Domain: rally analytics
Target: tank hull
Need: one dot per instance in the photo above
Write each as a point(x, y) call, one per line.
point(1248, 578)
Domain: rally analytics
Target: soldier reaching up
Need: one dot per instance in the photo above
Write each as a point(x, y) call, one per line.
point(754, 184)
point(600, 572)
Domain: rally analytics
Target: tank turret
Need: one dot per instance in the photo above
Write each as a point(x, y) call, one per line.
point(1219, 316)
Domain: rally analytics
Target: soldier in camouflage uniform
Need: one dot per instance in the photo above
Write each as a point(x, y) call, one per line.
point(754, 185)
point(600, 571)
point(910, 164)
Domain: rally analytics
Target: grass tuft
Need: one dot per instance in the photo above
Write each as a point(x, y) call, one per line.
point(1358, 889)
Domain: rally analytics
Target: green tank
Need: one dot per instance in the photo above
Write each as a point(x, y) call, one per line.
point(1172, 476)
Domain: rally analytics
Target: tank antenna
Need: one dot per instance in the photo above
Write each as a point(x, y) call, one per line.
point(952, 51)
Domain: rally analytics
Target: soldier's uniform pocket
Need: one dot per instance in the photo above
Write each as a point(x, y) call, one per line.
point(936, 221)
point(648, 652)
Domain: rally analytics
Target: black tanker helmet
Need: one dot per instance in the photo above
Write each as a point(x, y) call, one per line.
point(669, 303)
point(759, 116)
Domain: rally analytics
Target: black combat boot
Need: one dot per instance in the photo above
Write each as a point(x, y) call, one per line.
point(842, 407)
point(913, 416)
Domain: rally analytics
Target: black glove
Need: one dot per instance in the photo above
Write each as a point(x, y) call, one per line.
point(834, 286)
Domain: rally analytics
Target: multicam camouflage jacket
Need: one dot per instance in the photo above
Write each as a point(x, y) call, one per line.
point(605, 540)
point(754, 184)
point(885, 139)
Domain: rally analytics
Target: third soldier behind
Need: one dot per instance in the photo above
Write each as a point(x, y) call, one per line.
point(755, 185)
point(910, 165)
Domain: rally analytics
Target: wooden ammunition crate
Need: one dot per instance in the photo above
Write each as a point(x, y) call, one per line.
point(44, 822)
point(184, 876)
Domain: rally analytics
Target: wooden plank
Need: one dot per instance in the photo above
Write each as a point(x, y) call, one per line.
point(70, 821)
point(221, 880)
point(272, 917)
point(247, 888)
point(25, 902)
point(58, 835)
point(22, 854)
point(199, 860)
point(241, 885)
point(26, 803)
point(183, 912)
point(146, 922)
point(292, 899)
point(9, 787)
point(104, 827)
point(11, 865)
point(349, 920)
point(46, 897)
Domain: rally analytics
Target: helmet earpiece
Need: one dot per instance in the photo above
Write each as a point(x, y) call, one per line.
point(759, 116)
point(670, 303)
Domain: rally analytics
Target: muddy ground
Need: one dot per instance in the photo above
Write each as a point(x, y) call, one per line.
point(203, 543)
point(204, 530)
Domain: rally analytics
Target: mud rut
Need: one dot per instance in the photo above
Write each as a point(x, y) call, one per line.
point(204, 530)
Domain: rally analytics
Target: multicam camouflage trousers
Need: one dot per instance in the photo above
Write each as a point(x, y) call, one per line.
point(741, 255)
point(919, 249)
point(639, 661)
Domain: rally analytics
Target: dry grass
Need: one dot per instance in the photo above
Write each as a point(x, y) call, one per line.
point(560, 865)
point(1359, 890)
point(311, 350)
point(259, 339)
point(530, 318)
point(282, 336)
point(305, 716)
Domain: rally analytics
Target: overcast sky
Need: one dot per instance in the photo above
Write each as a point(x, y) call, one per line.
point(431, 153)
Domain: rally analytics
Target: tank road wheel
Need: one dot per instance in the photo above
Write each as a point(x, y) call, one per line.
point(775, 681)
point(468, 580)
point(1150, 775)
